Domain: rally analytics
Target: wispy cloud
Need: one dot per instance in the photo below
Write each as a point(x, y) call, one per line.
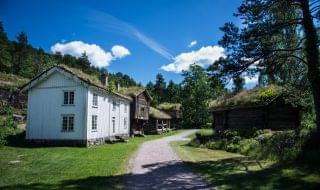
point(193, 43)
point(109, 23)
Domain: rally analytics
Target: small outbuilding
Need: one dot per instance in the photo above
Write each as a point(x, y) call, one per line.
point(261, 108)
point(140, 108)
point(159, 121)
point(175, 111)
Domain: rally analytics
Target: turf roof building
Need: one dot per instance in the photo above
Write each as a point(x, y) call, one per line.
point(67, 106)
point(262, 108)
point(140, 108)
point(175, 111)
point(159, 121)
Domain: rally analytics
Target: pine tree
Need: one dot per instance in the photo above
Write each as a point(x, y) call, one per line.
point(5, 56)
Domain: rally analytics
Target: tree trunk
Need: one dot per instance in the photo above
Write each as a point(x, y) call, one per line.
point(312, 55)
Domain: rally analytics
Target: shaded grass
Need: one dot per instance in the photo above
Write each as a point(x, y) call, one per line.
point(99, 167)
point(234, 171)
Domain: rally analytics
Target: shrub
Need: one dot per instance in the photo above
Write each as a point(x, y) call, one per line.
point(204, 136)
point(248, 146)
point(8, 125)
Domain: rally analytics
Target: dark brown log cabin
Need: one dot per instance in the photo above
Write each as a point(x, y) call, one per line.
point(159, 121)
point(175, 111)
point(255, 111)
point(139, 108)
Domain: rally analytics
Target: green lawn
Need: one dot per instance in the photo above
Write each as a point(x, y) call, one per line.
point(99, 167)
point(233, 171)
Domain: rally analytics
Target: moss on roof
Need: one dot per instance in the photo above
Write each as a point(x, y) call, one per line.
point(258, 96)
point(169, 106)
point(131, 91)
point(11, 81)
point(158, 114)
point(90, 79)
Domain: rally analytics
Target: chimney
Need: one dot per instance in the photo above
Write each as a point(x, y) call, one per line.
point(104, 79)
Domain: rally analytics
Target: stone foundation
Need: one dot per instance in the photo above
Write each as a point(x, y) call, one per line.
point(79, 143)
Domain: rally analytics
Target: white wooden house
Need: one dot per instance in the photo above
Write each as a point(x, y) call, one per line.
point(67, 106)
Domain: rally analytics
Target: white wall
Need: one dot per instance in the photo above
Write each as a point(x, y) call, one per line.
point(105, 112)
point(45, 109)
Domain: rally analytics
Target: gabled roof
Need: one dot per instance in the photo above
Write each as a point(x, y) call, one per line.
point(158, 114)
point(259, 96)
point(77, 75)
point(134, 91)
point(169, 106)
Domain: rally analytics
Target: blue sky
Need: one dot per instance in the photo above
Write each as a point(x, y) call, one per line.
point(150, 36)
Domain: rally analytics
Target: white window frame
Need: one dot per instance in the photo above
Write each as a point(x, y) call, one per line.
point(125, 108)
point(69, 127)
point(95, 100)
point(125, 122)
point(70, 97)
point(113, 124)
point(114, 105)
point(94, 122)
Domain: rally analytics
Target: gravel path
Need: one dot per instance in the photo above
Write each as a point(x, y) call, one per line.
point(157, 166)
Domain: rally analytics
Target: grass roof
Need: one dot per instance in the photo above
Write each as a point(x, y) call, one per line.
point(158, 114)
point(169, 106)
point(11, 81)
point(258, 96)
point(131, 91)
point(90, 79)
point(87, 78)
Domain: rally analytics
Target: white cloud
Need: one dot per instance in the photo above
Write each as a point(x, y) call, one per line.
point(193, 43)
point(203, 57)
point(96, 55)
point(119, 51)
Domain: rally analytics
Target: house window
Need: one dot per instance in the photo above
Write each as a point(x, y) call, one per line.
point(95, 100)
point(68, 97)
point(125, 122)
point(114, 105)
point(94, 122)
point(125, 108)
point(113, 124)
point(67, 123)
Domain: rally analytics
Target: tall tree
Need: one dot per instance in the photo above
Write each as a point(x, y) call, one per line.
point(5, 56)
point(173, 92)
point(195, 97)
point(216, 81)
point(238, 83)
point(265, 39)
point(22, 57)
point(160, 88)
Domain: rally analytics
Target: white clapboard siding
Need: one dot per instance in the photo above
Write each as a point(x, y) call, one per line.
point(45, 109)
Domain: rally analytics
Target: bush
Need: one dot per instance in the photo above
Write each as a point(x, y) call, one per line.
point(262, 144)
point(204, 136)
point(8, 125)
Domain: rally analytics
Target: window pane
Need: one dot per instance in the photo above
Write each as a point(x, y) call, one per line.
point(71, 97)
point(114, 104)
point(113, 124)
point(94, 122)
point(95, 100)
point(65, 97)
point(71, 123)
point(64, 123)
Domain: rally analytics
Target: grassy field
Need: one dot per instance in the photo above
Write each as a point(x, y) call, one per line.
point(233, 171)
point(99, 167)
